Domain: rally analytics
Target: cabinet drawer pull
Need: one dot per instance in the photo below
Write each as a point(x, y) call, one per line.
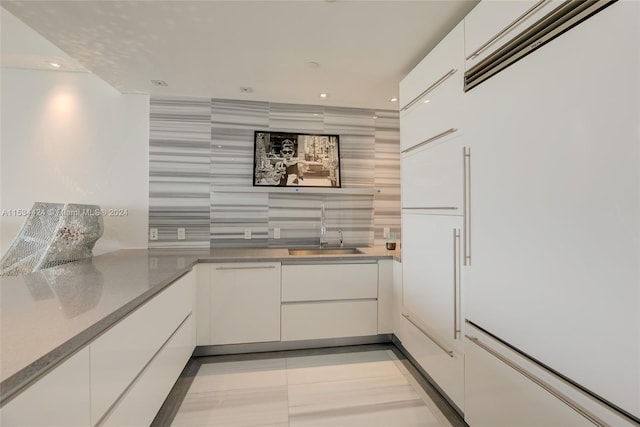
point(449, 208)
point(257, 267)
point(506, 29)
point(430, 140)
point(449, 352)
point(429, 89)
point(556, 393)
point(466, 212)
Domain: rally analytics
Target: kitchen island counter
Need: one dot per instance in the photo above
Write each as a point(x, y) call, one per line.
point(47, 316)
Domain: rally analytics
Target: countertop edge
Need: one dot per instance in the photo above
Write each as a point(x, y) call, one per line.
point(13, 385)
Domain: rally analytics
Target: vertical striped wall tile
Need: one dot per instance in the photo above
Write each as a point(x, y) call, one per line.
point(179, 163)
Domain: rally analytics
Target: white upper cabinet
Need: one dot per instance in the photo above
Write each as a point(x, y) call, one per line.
point(433, 177)
point(431, 95)
point(492, 23)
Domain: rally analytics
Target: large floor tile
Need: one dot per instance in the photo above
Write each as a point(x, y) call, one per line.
point(337, 367)
point(239, 408)
point(240, 375)
point(412, 413)
point(319, 397)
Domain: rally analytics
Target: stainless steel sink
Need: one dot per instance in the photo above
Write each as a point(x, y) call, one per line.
point(325, 251)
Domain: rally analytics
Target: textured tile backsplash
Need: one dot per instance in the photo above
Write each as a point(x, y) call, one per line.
point(201, 160)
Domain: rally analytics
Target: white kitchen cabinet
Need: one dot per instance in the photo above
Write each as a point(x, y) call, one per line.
point(202, 304)
point(59, 399)
point(446, 55)
point(505, 389)
point(431, 270)
point(431, 95)
point(322, 282)
point(432, 177)
point(397, 300)
point(386, 298)
point(329, 300)
point(140, 404)
point(121, 353)
point(491, 24)
point(244, 303)
point(329, 319)
point(556, 205)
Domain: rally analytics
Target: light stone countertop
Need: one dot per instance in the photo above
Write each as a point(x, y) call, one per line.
point(47, 316)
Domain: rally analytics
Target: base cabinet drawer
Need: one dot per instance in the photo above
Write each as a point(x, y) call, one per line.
point(336, 319)
point(446, 370)
point(318, 282)
point(141, 402)
point(59, 399)
point(120, 354)
point(505, 389)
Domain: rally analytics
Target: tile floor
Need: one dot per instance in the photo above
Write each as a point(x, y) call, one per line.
point(365, 388)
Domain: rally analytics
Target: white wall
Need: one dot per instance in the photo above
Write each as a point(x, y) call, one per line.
point(70, 137)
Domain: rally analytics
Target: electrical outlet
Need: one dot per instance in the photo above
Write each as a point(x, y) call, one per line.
point(153, 263)
point(386, 232)
point(247, 233)
point(276, 233)
point(153, 234)
point(181, 234)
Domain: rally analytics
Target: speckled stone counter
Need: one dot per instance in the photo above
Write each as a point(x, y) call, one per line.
point(47, 316)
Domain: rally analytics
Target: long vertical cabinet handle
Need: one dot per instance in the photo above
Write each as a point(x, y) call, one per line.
point(456, 283)
point(466, 152)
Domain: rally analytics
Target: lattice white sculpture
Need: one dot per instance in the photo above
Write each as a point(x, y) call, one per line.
point(53, 234)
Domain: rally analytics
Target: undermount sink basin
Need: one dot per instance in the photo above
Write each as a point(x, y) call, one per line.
point(325, 251)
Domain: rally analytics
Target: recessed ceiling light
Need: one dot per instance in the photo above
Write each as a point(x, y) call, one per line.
point(375, 117)
point(316, 114)
point(394, 100)
point(55, 64)
point(426, 101)
point(159, 83)
point(246, 89)
point(219, 146)
point(323, 95)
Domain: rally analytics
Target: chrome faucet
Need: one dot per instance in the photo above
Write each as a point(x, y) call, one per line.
point(341, 237)
point(323, 227)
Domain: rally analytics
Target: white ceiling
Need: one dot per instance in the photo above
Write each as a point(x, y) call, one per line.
point(213, 48)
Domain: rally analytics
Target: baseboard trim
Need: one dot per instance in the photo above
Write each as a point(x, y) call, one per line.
point(217, 350)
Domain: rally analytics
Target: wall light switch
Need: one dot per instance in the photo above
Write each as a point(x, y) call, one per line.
point(276, 233)
point(181, 234)
point(247, 233)
point(153, 234)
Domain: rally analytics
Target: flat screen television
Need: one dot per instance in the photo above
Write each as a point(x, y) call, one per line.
point(285, 159)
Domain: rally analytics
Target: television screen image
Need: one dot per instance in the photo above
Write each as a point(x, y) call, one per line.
point(283, 159)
